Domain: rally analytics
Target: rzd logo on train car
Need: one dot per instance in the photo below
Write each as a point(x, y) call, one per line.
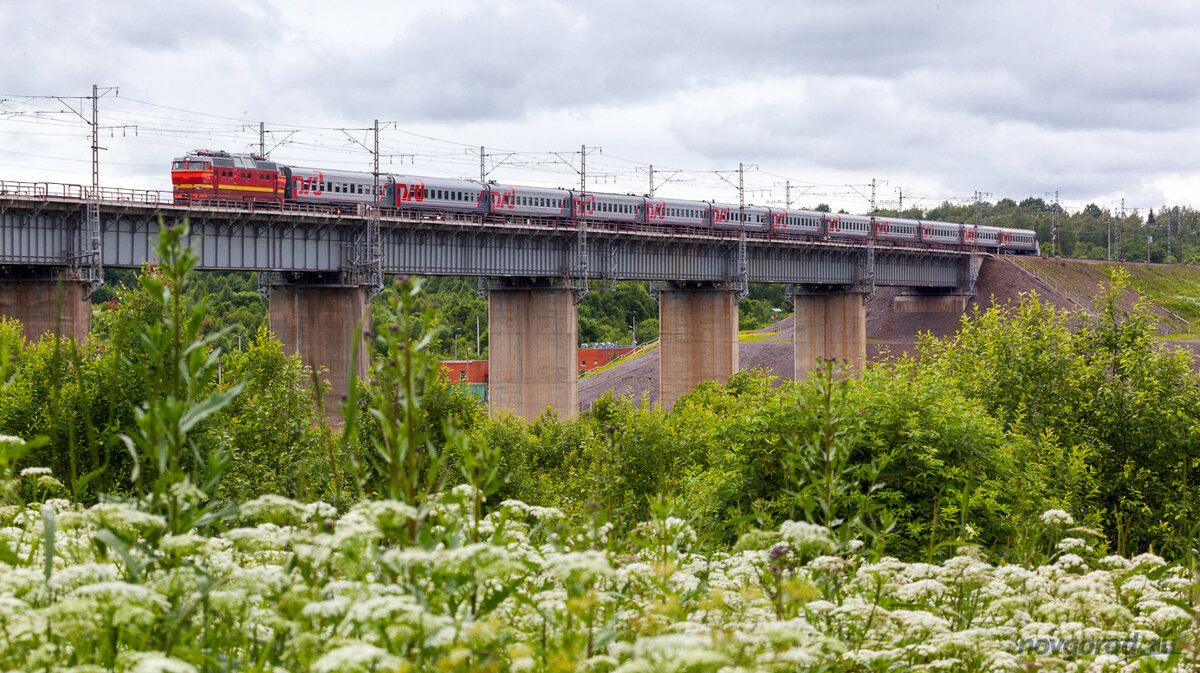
point(585, 207)
point(410, 192)
point(656, 211)
point(833, 224)
point(309, 185)
point(505, 199)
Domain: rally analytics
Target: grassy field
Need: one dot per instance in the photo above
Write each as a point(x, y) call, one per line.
point(1175, 287)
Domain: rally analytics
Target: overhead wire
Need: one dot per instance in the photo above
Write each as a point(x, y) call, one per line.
point(166, 126)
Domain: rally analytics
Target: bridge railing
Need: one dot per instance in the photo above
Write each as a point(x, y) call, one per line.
point(59, 190)
point(41, 190)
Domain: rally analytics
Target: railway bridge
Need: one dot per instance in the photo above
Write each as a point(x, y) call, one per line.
point(319, 268)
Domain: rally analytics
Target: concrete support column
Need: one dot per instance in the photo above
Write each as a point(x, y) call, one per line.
point(44, 305)
point(830, 326)
point(930, 303)
point(321, 324)
point(533, 345)
point(698, 336)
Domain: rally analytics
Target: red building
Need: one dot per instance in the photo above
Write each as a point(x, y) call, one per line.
point(594, 358)
point(476, 371)
point(466, 371)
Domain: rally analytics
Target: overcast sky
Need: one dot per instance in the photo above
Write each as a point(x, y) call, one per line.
point(1097, 100)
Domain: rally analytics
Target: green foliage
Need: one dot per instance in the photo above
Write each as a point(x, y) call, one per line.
point(276, 440)
point(174, 472)
point(1125, 408)
point(405, 459)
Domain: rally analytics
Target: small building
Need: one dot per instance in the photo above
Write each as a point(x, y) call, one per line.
point(598, 355)
point(466, 371)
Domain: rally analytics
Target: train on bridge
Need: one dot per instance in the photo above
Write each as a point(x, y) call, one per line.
point(222, 178)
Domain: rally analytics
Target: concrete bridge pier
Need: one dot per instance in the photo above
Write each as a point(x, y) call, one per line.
point(831, 324)
point(698, 337)
point(916, 301)
point(533, 342)
point(321, 320)
point(46, 302)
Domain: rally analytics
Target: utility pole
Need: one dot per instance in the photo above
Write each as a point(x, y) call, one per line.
point(787, 194)
point(743, 267)
point(1120, 231)
point(1111, 222)
point(262, 139)
point(90, 259)
point(1054, 226)
point(478, 350)
point(872, 196)
point(578, 272)
point(633, 330)
point(1170, 217)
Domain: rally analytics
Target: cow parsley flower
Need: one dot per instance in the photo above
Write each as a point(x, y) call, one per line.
point(36, 471)
point(354, 658)
point(1148, 559)
point(125, 518)
point(581, 566)
point(1057, 517)
point(1069, 543)
point(807, 540)
point(921, 590)
point(274, 509)
point(1071, 561)
point(157, 662)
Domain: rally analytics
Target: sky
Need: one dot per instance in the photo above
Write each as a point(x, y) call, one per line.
point(934, 101)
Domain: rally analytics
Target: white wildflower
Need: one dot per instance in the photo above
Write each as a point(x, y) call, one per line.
point(1148, 559)
point(807, 539)
point(125, 518)
point(819, 606)
point(1071, 561)
point(1168, 615)
point(1114, 562)
point(581, 566)
point(829, 564)
point(184, 544)
point(334, 608)
point(9, 439)
point(319, 510)
point(36, 471)
point(274, 509)
point(354, 658)
point(1057, 517)
point(1069, 543)
point(118, 592)
point(266, 536)
point(920, 590)
point(157, 662)
point(385, 515)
